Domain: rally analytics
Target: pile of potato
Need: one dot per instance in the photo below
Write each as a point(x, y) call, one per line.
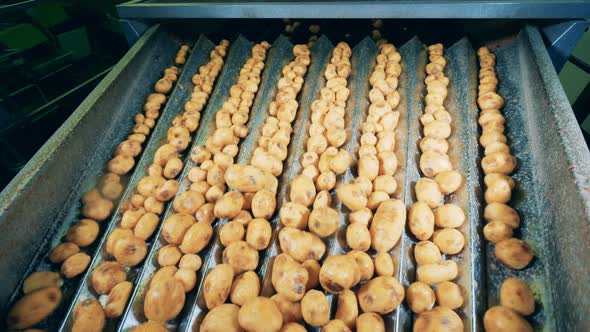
point(141, 214)
point(516, 298)
point(497, 165)
point(249, 230)
point(431, 221)
point(188, 229)
point(97, 205)
point(181, 55)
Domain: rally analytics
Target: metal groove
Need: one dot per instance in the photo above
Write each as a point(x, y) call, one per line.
point(237, 56)
point(174, 106)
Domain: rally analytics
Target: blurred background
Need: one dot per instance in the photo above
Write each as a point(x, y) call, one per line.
point(53, 54)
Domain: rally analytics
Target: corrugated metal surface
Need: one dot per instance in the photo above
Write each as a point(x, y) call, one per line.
point(552, 194)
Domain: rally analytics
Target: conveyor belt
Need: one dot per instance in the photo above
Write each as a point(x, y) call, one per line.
point(523, 86)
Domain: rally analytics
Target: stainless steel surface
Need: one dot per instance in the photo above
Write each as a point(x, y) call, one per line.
point(552, 196)
point(355, 9)
point(562, 39)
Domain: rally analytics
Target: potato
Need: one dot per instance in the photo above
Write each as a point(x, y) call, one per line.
point(263, 204)
point(368, 167)
point(449, 295)
point(106, 276)
point(322, 199)
point(244, 178)
point(449, 181)
point(420, 297)
point(315, 308)
point(196, 238)
point(449, 240)
point(370, 322)
point(294, 215)
point(323, 221)
point(385, 183)
point(75, 264)
point(449, 215)
point(437, 129)
point(148, 185)
point(388, 225)
point(205, 213)
point(41, 279)
point(229, 205)
point(352, 195)
point(435, 273)
point(362, 216)
point(187, 277)
point(215, 175)
point(97, 210)
point(347, 310)
point(384, 264)
point(498, 162)
point(245, 287)
point(427, 191)
point(341, 161)
point(437, 145)
point(63, 251)
point(175, 227)
point(259, 233)
point(500, 318)
point(190, 262)
point(188, 202)
point(243, 218)
point(223, 318)
point(83, 233)
point(302, 190)
point(231, 232)
point(240, 256)
point(88, 316)
point(432, 163)
point(116, 235)
point(163, 274)
point(335, 325)
point(117, 299)
point(501, 212)
point(514, 253)
point(169, 255)
point(496, 231)
point(382, 294)
point(33, 308)
point(146, 225)
point(289, 278)
point(153, 205)
point(121, 164)
point(358, 237)
point(516, 295)
point(165, 192)
point(260, 314)
point(301, 245)
point(149, 326)
point(130, 251)
point(426, 252)
point(498, 191)
point(439, 319)
point(164, 300)
point(290, 311)
point(313, 272)
point(326, 181)
point(339, 273)
point(217, 285)
point(421, 221)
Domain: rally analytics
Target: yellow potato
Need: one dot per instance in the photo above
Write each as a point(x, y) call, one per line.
point(196, 238)
point(387, 163)
point(293, 327)
point(289, 278)
point(260, 314)
point(294, 215)
point(421, 221)
point(338, 273)
point(41, 279)
point(106, 276)
point(426, 252)
point(439, 319)
point(500, 318)
point(175, 227)
point(514, 253)
point(435, 273)
point(116, 235)
point(370, 322)
point(231, 232)
point(169, 255)
point(335, 325)
point(432, 163)
point(498, 162)
point(149, 326)
point(205, 213)
point(63, 251)
point(323, 221)
point(97, 210)
point(163, 274)
point(188, 202)
point(302, 191)
point(146, 225)
point(347, 309)
point(437, 145)
point(263, 204)
point(516, 295)
point(240, 256)
point(229, 205)
point(75, 264)
point(187, 277)
point(313, 272)
point(448, 181)
point(368, 167)
point(427, 191)
point(315, 308)
point(164, 300)
point(449, 215)
point(376, 198)
point(290, 311)
point(33, 308)
point(358, 237)
point(499, 191)
point(352, 195)
point(117, 299)
point(88, 316)
point(244, 178)
point(387, 225)
point(217, 285)
point(420, 297)
point(301, 245)
point(83, 233)
point(246, 286)
point(384, 264)
point(259, 233)
point(385, 183)
point(449, 240)
point(322, 199)
point(437, 129)
point(130, 251)
point(382, 295)
point(496, 231)
point(449, 295)
point(223, 318)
